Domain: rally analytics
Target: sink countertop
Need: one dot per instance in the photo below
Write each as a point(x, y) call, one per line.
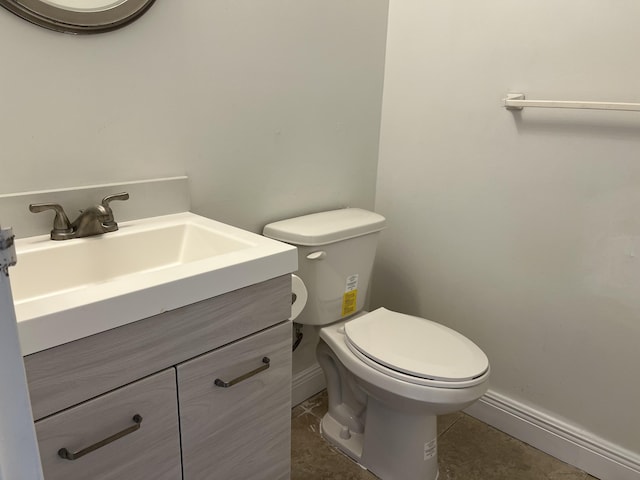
point(50, 318)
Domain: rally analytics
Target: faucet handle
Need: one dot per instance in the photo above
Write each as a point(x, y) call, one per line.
point(61, 226)
point(115, 196)
point(109, 223)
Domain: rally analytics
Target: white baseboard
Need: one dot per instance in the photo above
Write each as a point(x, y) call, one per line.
point(306, 384)
point(568, 443)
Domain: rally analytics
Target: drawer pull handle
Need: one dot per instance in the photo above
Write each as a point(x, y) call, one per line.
point(67, 455)
point(223, 384)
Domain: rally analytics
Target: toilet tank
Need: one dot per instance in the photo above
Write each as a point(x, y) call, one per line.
point(336, 250)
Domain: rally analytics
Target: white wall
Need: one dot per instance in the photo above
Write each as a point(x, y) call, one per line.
point(271, 108)
point(521, 231)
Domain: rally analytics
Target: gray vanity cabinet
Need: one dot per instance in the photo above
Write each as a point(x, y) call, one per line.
point(152, 451)
point(235, 409)
point(164, 369)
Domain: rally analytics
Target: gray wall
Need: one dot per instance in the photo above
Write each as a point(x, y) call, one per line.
point(271, 108)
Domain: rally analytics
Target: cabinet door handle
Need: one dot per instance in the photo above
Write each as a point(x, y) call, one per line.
point(223, 384)
point(67, 455)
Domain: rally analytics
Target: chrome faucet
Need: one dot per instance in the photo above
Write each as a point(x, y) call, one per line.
point(94, 220)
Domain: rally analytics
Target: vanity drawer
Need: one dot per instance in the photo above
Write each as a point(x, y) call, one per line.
point(240, 431)
point(150, 452)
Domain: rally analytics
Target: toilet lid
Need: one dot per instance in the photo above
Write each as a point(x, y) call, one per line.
point(416, 346)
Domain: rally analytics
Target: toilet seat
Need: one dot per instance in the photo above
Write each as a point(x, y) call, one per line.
point(415, 350)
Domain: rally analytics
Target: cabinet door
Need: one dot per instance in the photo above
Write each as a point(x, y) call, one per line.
point(148, 447)
point(241, 431)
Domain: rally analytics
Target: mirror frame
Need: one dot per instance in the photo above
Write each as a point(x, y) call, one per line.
point(77, 22)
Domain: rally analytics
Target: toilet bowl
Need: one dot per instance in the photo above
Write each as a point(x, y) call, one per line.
point(397, 437)
point(388, 374)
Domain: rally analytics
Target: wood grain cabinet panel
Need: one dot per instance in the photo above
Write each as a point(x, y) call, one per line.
point(241, 432)
point(164, 369)
point(150, 453)
point(63, 376)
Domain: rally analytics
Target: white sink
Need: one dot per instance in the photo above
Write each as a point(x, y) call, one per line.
point(66, 290)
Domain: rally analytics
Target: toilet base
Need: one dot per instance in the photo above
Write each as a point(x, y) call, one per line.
point(394, 446)
point(349, 443)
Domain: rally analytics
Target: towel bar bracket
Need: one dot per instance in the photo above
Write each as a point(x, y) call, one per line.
point(510, 98)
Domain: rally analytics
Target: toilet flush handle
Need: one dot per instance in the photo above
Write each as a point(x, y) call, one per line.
point(319, 255)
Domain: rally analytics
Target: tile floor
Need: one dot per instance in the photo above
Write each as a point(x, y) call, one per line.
point(468, 450)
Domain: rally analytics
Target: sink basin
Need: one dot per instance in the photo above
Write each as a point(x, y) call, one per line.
point(51, 268)
point(70, 289)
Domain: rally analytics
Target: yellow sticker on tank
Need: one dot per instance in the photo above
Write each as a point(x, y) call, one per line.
point(349, 300)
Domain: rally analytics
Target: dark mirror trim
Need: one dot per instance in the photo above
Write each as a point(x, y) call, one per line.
point(70, 21)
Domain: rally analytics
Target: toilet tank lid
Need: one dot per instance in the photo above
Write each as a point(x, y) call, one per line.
point(325, 227)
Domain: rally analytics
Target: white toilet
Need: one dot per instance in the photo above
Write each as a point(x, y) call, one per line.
point(388, 374)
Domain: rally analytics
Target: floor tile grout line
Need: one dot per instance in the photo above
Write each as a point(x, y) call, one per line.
point(441, 434)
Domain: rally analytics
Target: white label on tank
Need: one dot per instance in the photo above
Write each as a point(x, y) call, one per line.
point(352, 283)
point(430, 449)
